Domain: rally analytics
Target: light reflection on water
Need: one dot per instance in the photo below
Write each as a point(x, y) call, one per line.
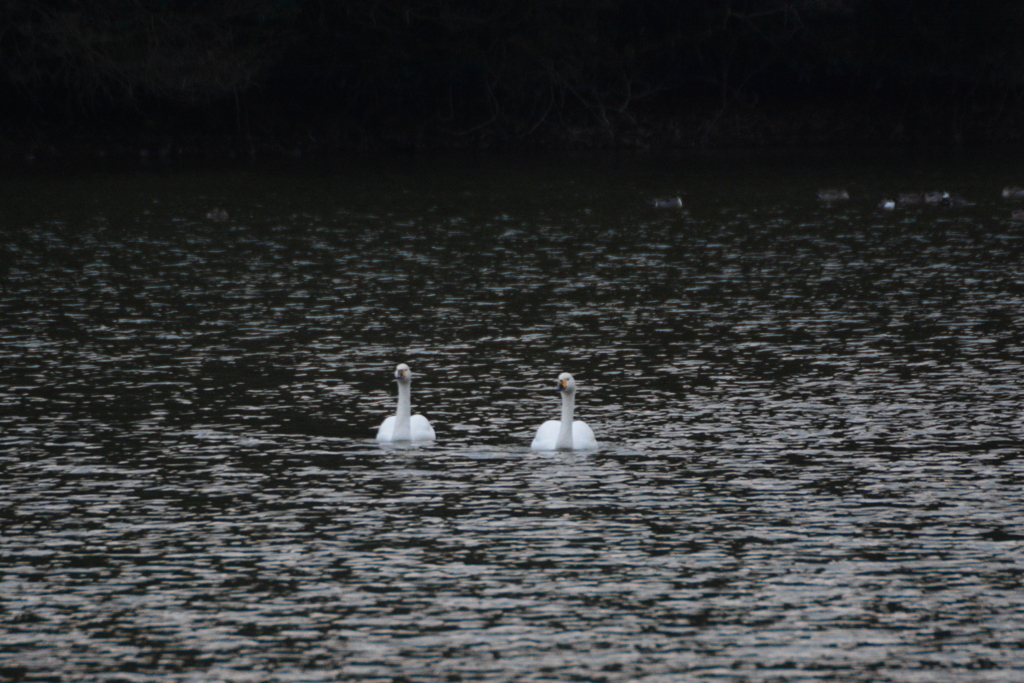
point(809, 416)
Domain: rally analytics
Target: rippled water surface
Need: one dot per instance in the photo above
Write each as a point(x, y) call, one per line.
point(809, 416)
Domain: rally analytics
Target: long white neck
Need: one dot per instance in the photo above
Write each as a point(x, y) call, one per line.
point(564, 442)
point(402, 430)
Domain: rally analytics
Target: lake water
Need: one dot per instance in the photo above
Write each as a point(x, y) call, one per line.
point(810, 418)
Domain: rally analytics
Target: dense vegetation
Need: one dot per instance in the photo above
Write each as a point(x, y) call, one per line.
point(332, 73)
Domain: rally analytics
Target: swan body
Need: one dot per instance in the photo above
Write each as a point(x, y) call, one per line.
point(547, 437)
point(403, 425)
point(666, 203)
point(566, 434)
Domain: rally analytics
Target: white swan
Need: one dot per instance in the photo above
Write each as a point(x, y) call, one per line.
point(565, 434)
point(403, 426)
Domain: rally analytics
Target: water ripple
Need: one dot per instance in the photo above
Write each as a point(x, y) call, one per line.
point(809, 416)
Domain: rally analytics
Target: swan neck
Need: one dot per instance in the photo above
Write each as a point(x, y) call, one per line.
point(403, 431)
point(564, 442)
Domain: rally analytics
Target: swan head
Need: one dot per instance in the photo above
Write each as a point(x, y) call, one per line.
point(566, 384)
point(403, 373)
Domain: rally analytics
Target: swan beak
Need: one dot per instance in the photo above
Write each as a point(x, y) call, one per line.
point(561, 384)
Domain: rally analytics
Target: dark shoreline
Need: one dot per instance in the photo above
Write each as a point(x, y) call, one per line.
point(148, 139)
point(311, 78)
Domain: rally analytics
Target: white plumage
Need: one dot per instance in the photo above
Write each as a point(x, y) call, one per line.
point(566, 434)
point(403, 425)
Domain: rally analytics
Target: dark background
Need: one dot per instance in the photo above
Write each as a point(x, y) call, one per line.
point(188, 77)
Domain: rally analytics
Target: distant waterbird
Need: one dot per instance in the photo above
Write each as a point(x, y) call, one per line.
point(833, 194)
point(1013, 192)
point(953, 200)
point(887, 204)
point(217, 215)
point(933, 198)
point(666, 202)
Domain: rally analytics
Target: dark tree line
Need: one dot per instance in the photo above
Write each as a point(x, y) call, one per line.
point(470, 72)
